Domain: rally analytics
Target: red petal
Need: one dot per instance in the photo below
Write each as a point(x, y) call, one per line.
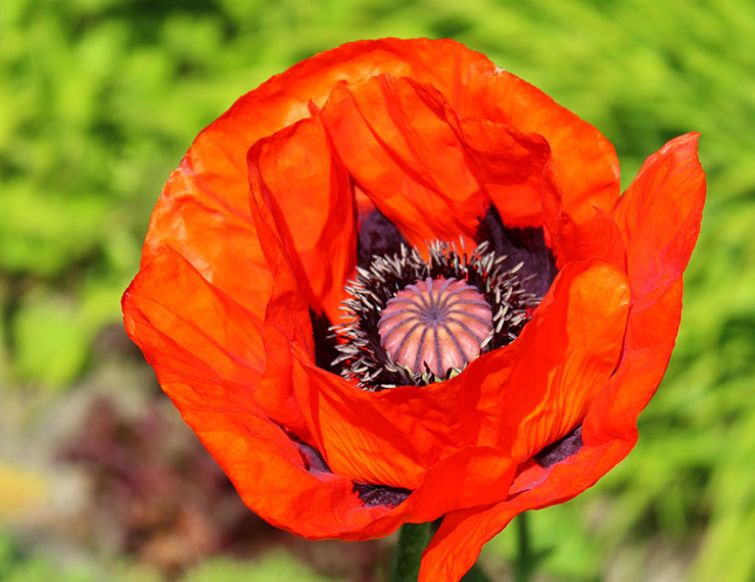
point(457, 543)
point(197, 217)
point(585, 166)
point(468, 478)
point(597, 238)
point(540, 387)
point(399, 140)
point(669, 190)
point(514, 170)
point(659, 215)
point(189, 330)
point(314, 206)
point(271, 476)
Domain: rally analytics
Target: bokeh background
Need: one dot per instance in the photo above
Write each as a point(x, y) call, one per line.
point(100, 480)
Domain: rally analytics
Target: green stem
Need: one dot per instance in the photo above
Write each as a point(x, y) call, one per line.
point(524, 567)
point(412, 540)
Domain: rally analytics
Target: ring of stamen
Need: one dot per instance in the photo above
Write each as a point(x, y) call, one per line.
point(364, 354)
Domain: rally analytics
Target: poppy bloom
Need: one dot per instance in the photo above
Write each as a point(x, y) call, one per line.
point(396, 284)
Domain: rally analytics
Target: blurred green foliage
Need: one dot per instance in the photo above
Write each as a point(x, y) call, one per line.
point(18, 566)
point(99, 99)
point(276, 565)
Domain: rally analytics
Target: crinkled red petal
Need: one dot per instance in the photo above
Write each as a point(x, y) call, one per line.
point(671, 184)
point(190, 330)
point(399, 141)
point(659, 216)
point(314, 205)
point(585, 165)
point(597, 237)
point(514, 170)
point(197, 217)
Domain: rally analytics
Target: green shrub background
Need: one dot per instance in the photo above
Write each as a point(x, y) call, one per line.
point(100, 98)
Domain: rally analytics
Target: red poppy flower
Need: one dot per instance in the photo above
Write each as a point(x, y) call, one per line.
point(340, 161)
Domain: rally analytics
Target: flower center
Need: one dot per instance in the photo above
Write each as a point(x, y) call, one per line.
point(413, 321)
point(439, 324)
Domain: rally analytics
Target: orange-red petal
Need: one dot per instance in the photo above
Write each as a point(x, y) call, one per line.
point(670, 185)
point(399, 141)
point(314, 206)
point(198, 218)
point(514, 170)
point(597, 237)
point(659, 215)
point(462, 534)
point(585, 165)
point(190, 331)
point(539, 388)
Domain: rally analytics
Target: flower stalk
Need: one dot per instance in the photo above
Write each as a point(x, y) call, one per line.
point(412, 540)
point(524, 567)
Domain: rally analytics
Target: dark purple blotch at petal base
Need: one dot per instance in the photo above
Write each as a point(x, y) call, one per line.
point(313, 460)
point(520, 245)
point(561, 449)
point(378, 236)
point(370, 495)
point(374, 495)
point(324, 341)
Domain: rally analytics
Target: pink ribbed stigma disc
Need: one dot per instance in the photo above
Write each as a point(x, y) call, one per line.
point(440, 323)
